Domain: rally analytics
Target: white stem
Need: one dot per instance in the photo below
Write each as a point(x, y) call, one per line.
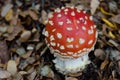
point(66, 66)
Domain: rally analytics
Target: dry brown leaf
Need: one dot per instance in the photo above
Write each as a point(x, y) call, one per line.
point(32, 69)
point(44, 16)
point(36, 36)
point(4, 74)
point(9, 15)
point(10, 29)
point(94, 5)
point(45, 70)
point(119, 65)
point(39, 45)
point(115, 54)
point(32, 75)
point(23, 65)
point(25, 36)
point(3, 52)
point(3, 28)
point(71, 78)
point(104, 64)
point(5, 9)
point(12, 67)
point(113, 6)
point(23, 72)
point(27, 54)
point(30, 60)
point(99, 53)
point(16, 29)
point(75, 74)
point(50, 74)
point(23, 13)
point(20, 51)
point(33, 14)
point(18, 76)
point(116, 19)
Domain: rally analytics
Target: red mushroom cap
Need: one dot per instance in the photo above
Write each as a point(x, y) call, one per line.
point(70, 32)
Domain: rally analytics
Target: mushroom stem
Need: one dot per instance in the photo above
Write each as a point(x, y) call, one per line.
point(66, 66)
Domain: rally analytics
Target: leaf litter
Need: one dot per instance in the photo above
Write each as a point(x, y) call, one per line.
point(25, 56)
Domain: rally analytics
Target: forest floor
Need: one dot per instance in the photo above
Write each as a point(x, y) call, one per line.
point(23, 51)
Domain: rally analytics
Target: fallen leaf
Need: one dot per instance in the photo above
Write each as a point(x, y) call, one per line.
point(25, 36)
point(94, 5)
point(23, 72)
point(36, 36)
point(44, 16)
point(39, 45)
point(99, 53)
point(114, 54)
point(9, 15)
point(112, 6)
point(28, 53)
point(23, 65)
point(3, 52)
point(32, 75)
point(3, 28)
point(16, 29)
point(4, 74)
point(30, 60)
point(104, 64)
point(116, 18)
point(5, 9)
point(71, 78)
point(119, 65)
point(12, 67)
point(20, 51)
point(45, 70)
point(33, 14)
point(18, 76)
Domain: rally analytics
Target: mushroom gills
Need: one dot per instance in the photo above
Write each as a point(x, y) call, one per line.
point(67, 66)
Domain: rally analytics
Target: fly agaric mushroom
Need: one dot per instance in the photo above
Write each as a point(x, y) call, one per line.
point(70, 34)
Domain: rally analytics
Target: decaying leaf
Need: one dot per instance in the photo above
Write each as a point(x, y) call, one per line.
point(18, 76)
point(94, 5)
point(20, 51)
point(3, 28)
point(25, 36)
point(32, 75)
point(9, 15)
point(4, 56)
point(30, 60)
point(39, 45)
point(36, 36)
point(6, 9)
point(44, 17)
point(116, 19)
point(119, 65)
point(16, 29)
point(33, 14)
point(115, 54)
point(23, 65)
point(99, 53)
point(12, 67)
point(113, 6)
point(104, 64)
point(27, 54)
point(71, 78)
point(4, 74)
point(46, 71)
